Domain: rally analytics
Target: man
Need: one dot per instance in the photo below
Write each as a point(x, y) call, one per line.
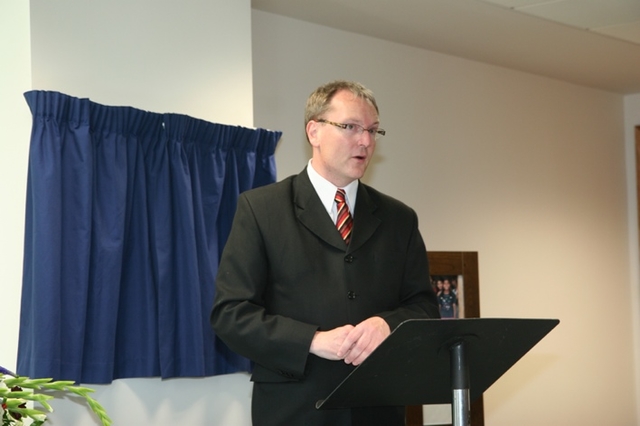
point(308, 302)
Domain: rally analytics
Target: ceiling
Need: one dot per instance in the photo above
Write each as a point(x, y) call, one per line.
point(593, 43)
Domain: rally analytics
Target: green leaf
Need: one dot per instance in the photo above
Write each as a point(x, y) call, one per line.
point(29, 412)
point(17, 398)
point(13, 381)
point(41, 380)
point(19, 394)
point(14, 403)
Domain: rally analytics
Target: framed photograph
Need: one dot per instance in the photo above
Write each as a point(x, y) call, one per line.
point(454, 277)
point(449, 290)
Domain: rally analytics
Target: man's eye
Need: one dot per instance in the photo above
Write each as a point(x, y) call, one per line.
point(350, 127)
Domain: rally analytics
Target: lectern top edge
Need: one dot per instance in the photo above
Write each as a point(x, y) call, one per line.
point(412, 366)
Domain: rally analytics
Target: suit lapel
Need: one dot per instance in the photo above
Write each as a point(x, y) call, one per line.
point(365, 222)
point(313, 216)
point(311, 212)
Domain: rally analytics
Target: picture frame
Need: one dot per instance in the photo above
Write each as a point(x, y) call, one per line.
point(464, 265)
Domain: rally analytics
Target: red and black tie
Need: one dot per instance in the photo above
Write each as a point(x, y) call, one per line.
point(344, 222)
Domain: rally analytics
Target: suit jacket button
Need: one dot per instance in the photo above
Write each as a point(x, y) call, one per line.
point(351, 295)
point(348, 258)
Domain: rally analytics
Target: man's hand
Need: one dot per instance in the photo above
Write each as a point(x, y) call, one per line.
point(327, 344)
point(349, 343)
point(363, 339)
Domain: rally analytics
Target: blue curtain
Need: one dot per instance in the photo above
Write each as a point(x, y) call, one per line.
point(127, 213)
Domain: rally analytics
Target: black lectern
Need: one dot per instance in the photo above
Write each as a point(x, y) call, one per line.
point(439, 362)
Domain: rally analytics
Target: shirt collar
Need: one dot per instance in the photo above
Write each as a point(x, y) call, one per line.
point(327, 191)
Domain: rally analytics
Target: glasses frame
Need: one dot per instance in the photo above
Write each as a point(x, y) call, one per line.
point(376, 133)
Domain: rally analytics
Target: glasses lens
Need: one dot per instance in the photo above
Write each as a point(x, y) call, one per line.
point(353, 129)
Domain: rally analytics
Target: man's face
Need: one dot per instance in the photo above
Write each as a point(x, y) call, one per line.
point(338, 156)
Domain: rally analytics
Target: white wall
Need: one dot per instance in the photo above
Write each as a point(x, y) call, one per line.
point(15, 127)
point(527, 171)
point(191, 57)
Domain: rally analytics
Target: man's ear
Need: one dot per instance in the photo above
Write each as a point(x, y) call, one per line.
point(312, 132)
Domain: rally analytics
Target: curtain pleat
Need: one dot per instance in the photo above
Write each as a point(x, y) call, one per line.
point(127, 214)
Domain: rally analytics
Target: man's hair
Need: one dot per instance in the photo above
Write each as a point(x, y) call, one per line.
point(319, 101)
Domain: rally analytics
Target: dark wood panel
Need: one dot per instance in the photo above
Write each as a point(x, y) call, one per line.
point(463, 263)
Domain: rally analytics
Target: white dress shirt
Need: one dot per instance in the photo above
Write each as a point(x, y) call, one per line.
point(327, 192)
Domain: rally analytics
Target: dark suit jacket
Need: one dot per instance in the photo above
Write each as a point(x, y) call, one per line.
point(286, 273)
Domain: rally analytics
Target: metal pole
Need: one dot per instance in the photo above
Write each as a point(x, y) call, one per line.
point(460, 386)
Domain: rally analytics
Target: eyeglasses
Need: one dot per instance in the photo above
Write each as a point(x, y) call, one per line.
point(355, 129)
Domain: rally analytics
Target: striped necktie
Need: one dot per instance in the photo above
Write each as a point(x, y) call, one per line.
point(344, 222)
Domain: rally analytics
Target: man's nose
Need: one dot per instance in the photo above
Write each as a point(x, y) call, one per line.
point(366, 138)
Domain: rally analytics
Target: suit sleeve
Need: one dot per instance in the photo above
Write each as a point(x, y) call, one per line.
point(239, 316)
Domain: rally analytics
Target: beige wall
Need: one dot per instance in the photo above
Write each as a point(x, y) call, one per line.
point(527, 171)
point(631, 121)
